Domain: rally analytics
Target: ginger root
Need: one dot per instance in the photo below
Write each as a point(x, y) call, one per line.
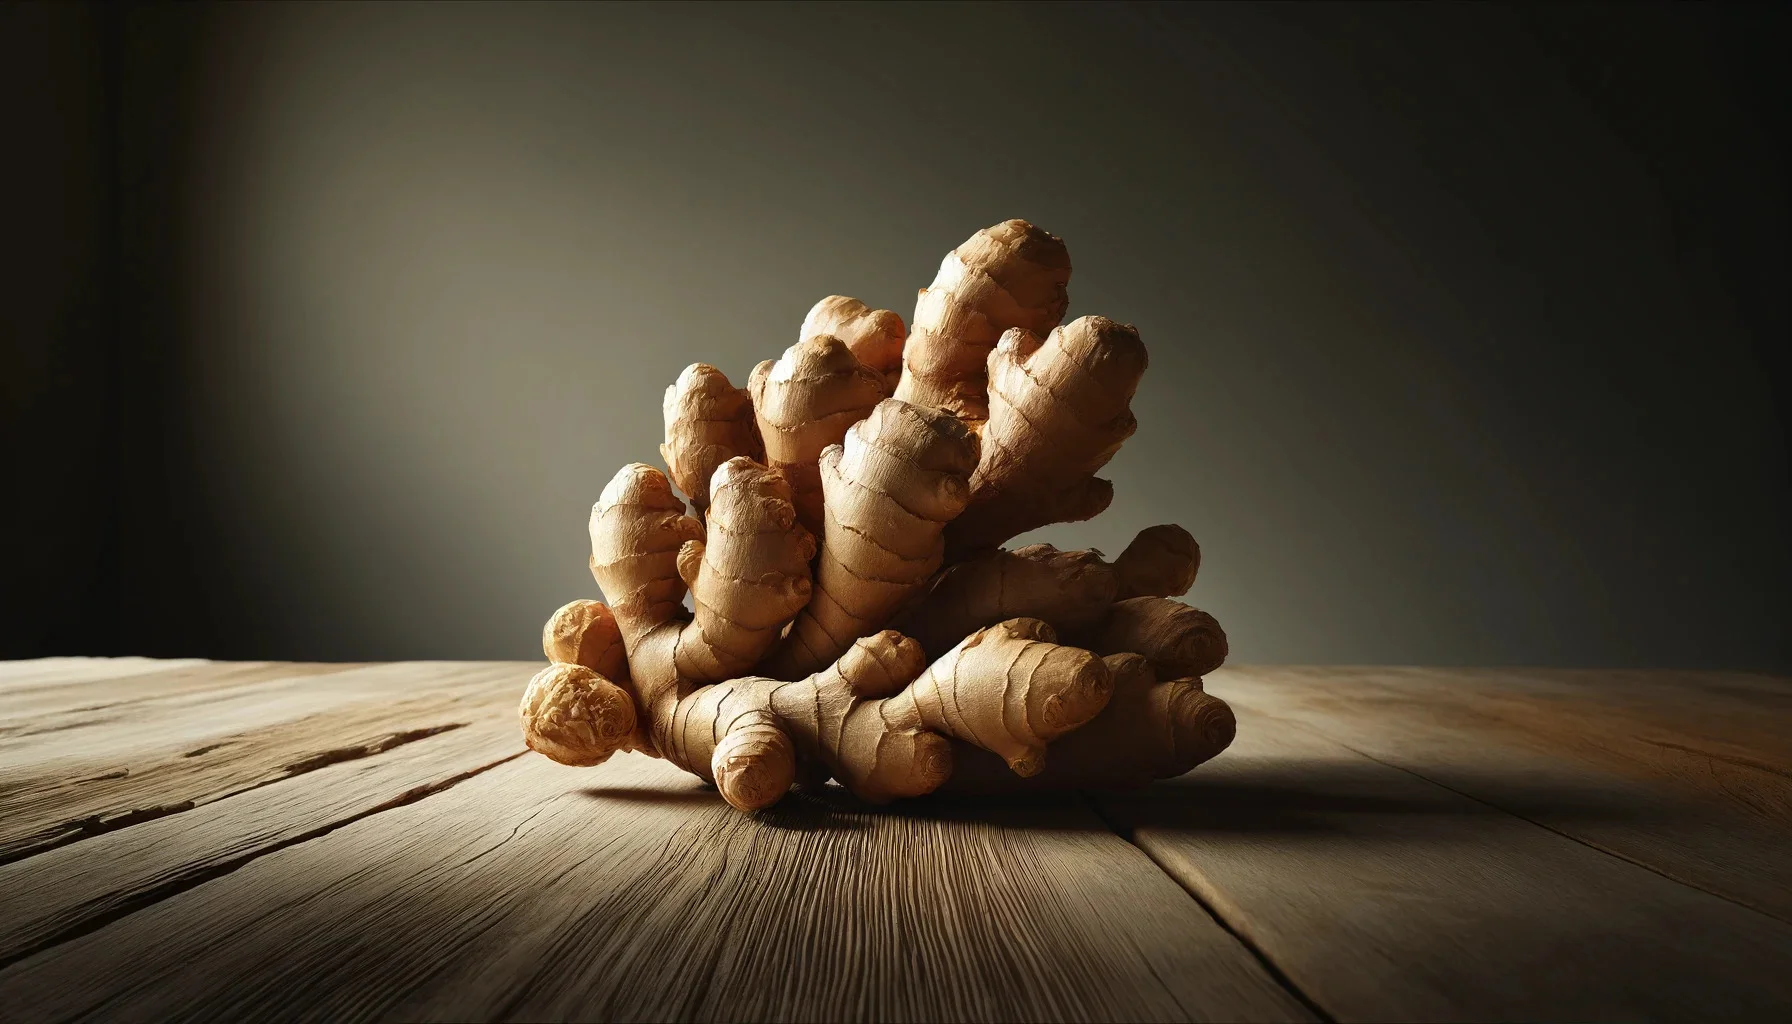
point(901, 475)
point(875, 336)
point(1149, 730)
point(1160, 562)
point(1059, 408)
point(575, 716)
point(1012, 275)
point(708, 422)
point(585, 633)
point(823, 512)
point(804, 401)
point(1075, 590)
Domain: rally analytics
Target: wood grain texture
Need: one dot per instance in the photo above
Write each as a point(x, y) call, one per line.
point(348, 842)
point(1720, 735)
point(534, 891)
point(1384, 896)
point(77, 773)
point(71, 889)
point(35, 672)
point(1689, 774)
point(74, 696)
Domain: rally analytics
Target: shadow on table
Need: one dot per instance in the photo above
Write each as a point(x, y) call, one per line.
point(1319, 798)
point(1339, 797)
point(694, 797)
point(804, 809)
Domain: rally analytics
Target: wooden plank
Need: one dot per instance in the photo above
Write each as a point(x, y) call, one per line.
point(1687, 773)
point(1720, 735)
point(167, 755)
point(538, 892)
point(51, 706)
point(1383, 896)
point(195, 716)
point(31, 672)
point(72, 889)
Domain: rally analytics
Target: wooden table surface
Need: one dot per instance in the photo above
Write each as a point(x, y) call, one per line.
point(205, 840)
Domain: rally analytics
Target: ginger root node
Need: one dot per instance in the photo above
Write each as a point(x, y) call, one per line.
point(754, 765)
point(575, 716)
point(1160, 562)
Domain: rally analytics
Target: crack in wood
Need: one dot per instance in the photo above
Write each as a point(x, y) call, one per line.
point(1263, 960)
point(182, 882)
point(1553, 830)
point(76, 830)
point(86, 828)
point(1732, 759)
point(378, 746)
point(122, 773)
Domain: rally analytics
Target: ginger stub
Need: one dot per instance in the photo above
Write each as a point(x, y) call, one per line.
point(852, 612)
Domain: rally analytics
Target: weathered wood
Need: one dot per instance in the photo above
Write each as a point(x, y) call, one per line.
point(16, 675)
point(1687, 773)
point(156, 721)
point(1381, 895)
point(106, 768)
point(70, 699)
point(1720, 735)
point(72, 889)
point(327, 851)
point(535, 891)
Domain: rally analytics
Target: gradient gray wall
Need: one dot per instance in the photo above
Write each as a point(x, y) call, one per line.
point(1461, 341)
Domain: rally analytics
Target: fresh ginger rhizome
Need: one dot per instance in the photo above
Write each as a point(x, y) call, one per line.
point(855, 616)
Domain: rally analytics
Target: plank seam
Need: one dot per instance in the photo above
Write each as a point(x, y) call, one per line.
point(1276, 974)
point(1545, 826)
point(24, 719)
point(69, 832)
point(182, 883)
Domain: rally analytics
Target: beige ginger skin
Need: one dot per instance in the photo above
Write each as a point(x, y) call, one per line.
point(852, 614)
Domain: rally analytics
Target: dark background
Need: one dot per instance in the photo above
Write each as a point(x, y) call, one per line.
point(325, 324)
